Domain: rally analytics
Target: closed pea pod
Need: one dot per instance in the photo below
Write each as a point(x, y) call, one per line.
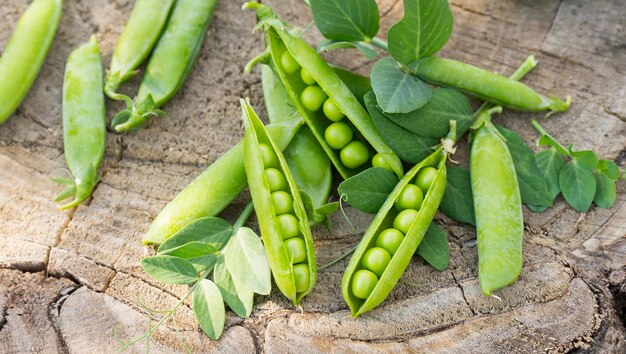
point(294, 268)
point(26, 51)
point(84, 125)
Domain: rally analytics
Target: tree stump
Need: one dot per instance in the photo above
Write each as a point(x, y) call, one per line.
point(71, 281)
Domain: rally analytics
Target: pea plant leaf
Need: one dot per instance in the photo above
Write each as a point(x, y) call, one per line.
point(238, 298)
point(368, 190)
point(457, 202)
point(424, 30)
point(330, 44)
point(247, 262)
point(208, 306)
point(409, 146)
point(398, 91)
point(434, 247)
point(346, 20)
point(577, 185)
point(533, 187)
point(585, 158)
point(606, 191)
point(169, 269)
point(550, 162)
point(191, 250)
point(609, 168)
point(211, 230)
point(433, 119)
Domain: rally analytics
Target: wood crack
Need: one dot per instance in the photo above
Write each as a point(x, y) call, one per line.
point(54, 310)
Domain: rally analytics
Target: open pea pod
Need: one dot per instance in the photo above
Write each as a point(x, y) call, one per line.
point(322, 74)
point(384, 221)
point(289, 248)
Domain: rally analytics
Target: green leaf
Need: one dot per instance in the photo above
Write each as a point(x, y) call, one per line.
point(409, 146)
point(550, 162)
point(239, 299)
point(585, 158)
point(169, 269)
point(368, 190)
point(548, 140)
point(433, 119)
point(211, 230)
point(457, 202)
point(577, 185)
point(398, 91)
point(424, 29)
point(606, 191)
point(346, 20)
point(190, 250)
point(533, 187)
point(208, 307)
point(247, 262)
point(609, 168)
point(434, 247)
point(329, 44)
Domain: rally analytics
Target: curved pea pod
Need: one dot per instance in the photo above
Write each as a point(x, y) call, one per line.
point(26, 51)
point(84, 124)
point(140, 34)
point(214, 189)
point(170, 63)
point(278, 255)
point(486, 85)
point(384, 220)
point(498, 209)
point(280, 41)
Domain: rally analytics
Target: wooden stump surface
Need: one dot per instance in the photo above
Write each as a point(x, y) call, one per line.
point(70, 281)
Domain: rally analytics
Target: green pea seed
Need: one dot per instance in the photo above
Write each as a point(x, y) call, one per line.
point(390, 240)
point(275, 179)
point(302, 276)
point(332, 111)
point(307, 77)
point(282, 202)
point(296, 249)
point(354, 154)
point(411, 197)
point(363, 283)
point(403, 221)
point(288, 226)
point(379, 161)
point(269, 157)
point(425, 178)
point(376, 259)
point(289, 64)
point(313, 98)
point(337, 135)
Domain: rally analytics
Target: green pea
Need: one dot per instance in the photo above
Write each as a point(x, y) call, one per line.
point(425, 178)
point(282, 202)
point(376, 259)
point(306, 77)
point(302, 277)
point(275, 180)
point(355, 154)
point(296, 249)
point(390, 240)
point(404, 220)
point(338, 134)
point(363, 283)
point(411, 197)
point(379, 161)
point(288, 226)
point(269, 157)
point(288, 63)
point(331, 111)
point(313, 98)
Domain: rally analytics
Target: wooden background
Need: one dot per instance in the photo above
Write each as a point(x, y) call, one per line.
point(68, 279)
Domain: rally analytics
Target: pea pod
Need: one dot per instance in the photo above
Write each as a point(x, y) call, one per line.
point(294, 269)
point(140, 34)
point(385, 221)
point(170, 63)
point(26, 51)
point(486, 85)
point(214, 189)
point(84, 124)
point(497, 206)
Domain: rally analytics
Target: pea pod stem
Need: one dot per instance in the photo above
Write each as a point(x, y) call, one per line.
point(244, 216)
point(380, 43)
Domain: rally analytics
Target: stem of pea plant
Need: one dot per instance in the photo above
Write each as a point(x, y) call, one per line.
point(538, 127)
point(380, 43)
point(243, 218)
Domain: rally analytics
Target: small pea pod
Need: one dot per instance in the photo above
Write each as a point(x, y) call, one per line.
point(140, 34)
point(369, 277)
point(214, 189)
point(497, 206)
point(26, 51)
point(486, 85)
point(170, 63)
point(84, 124)
point(284, 226)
